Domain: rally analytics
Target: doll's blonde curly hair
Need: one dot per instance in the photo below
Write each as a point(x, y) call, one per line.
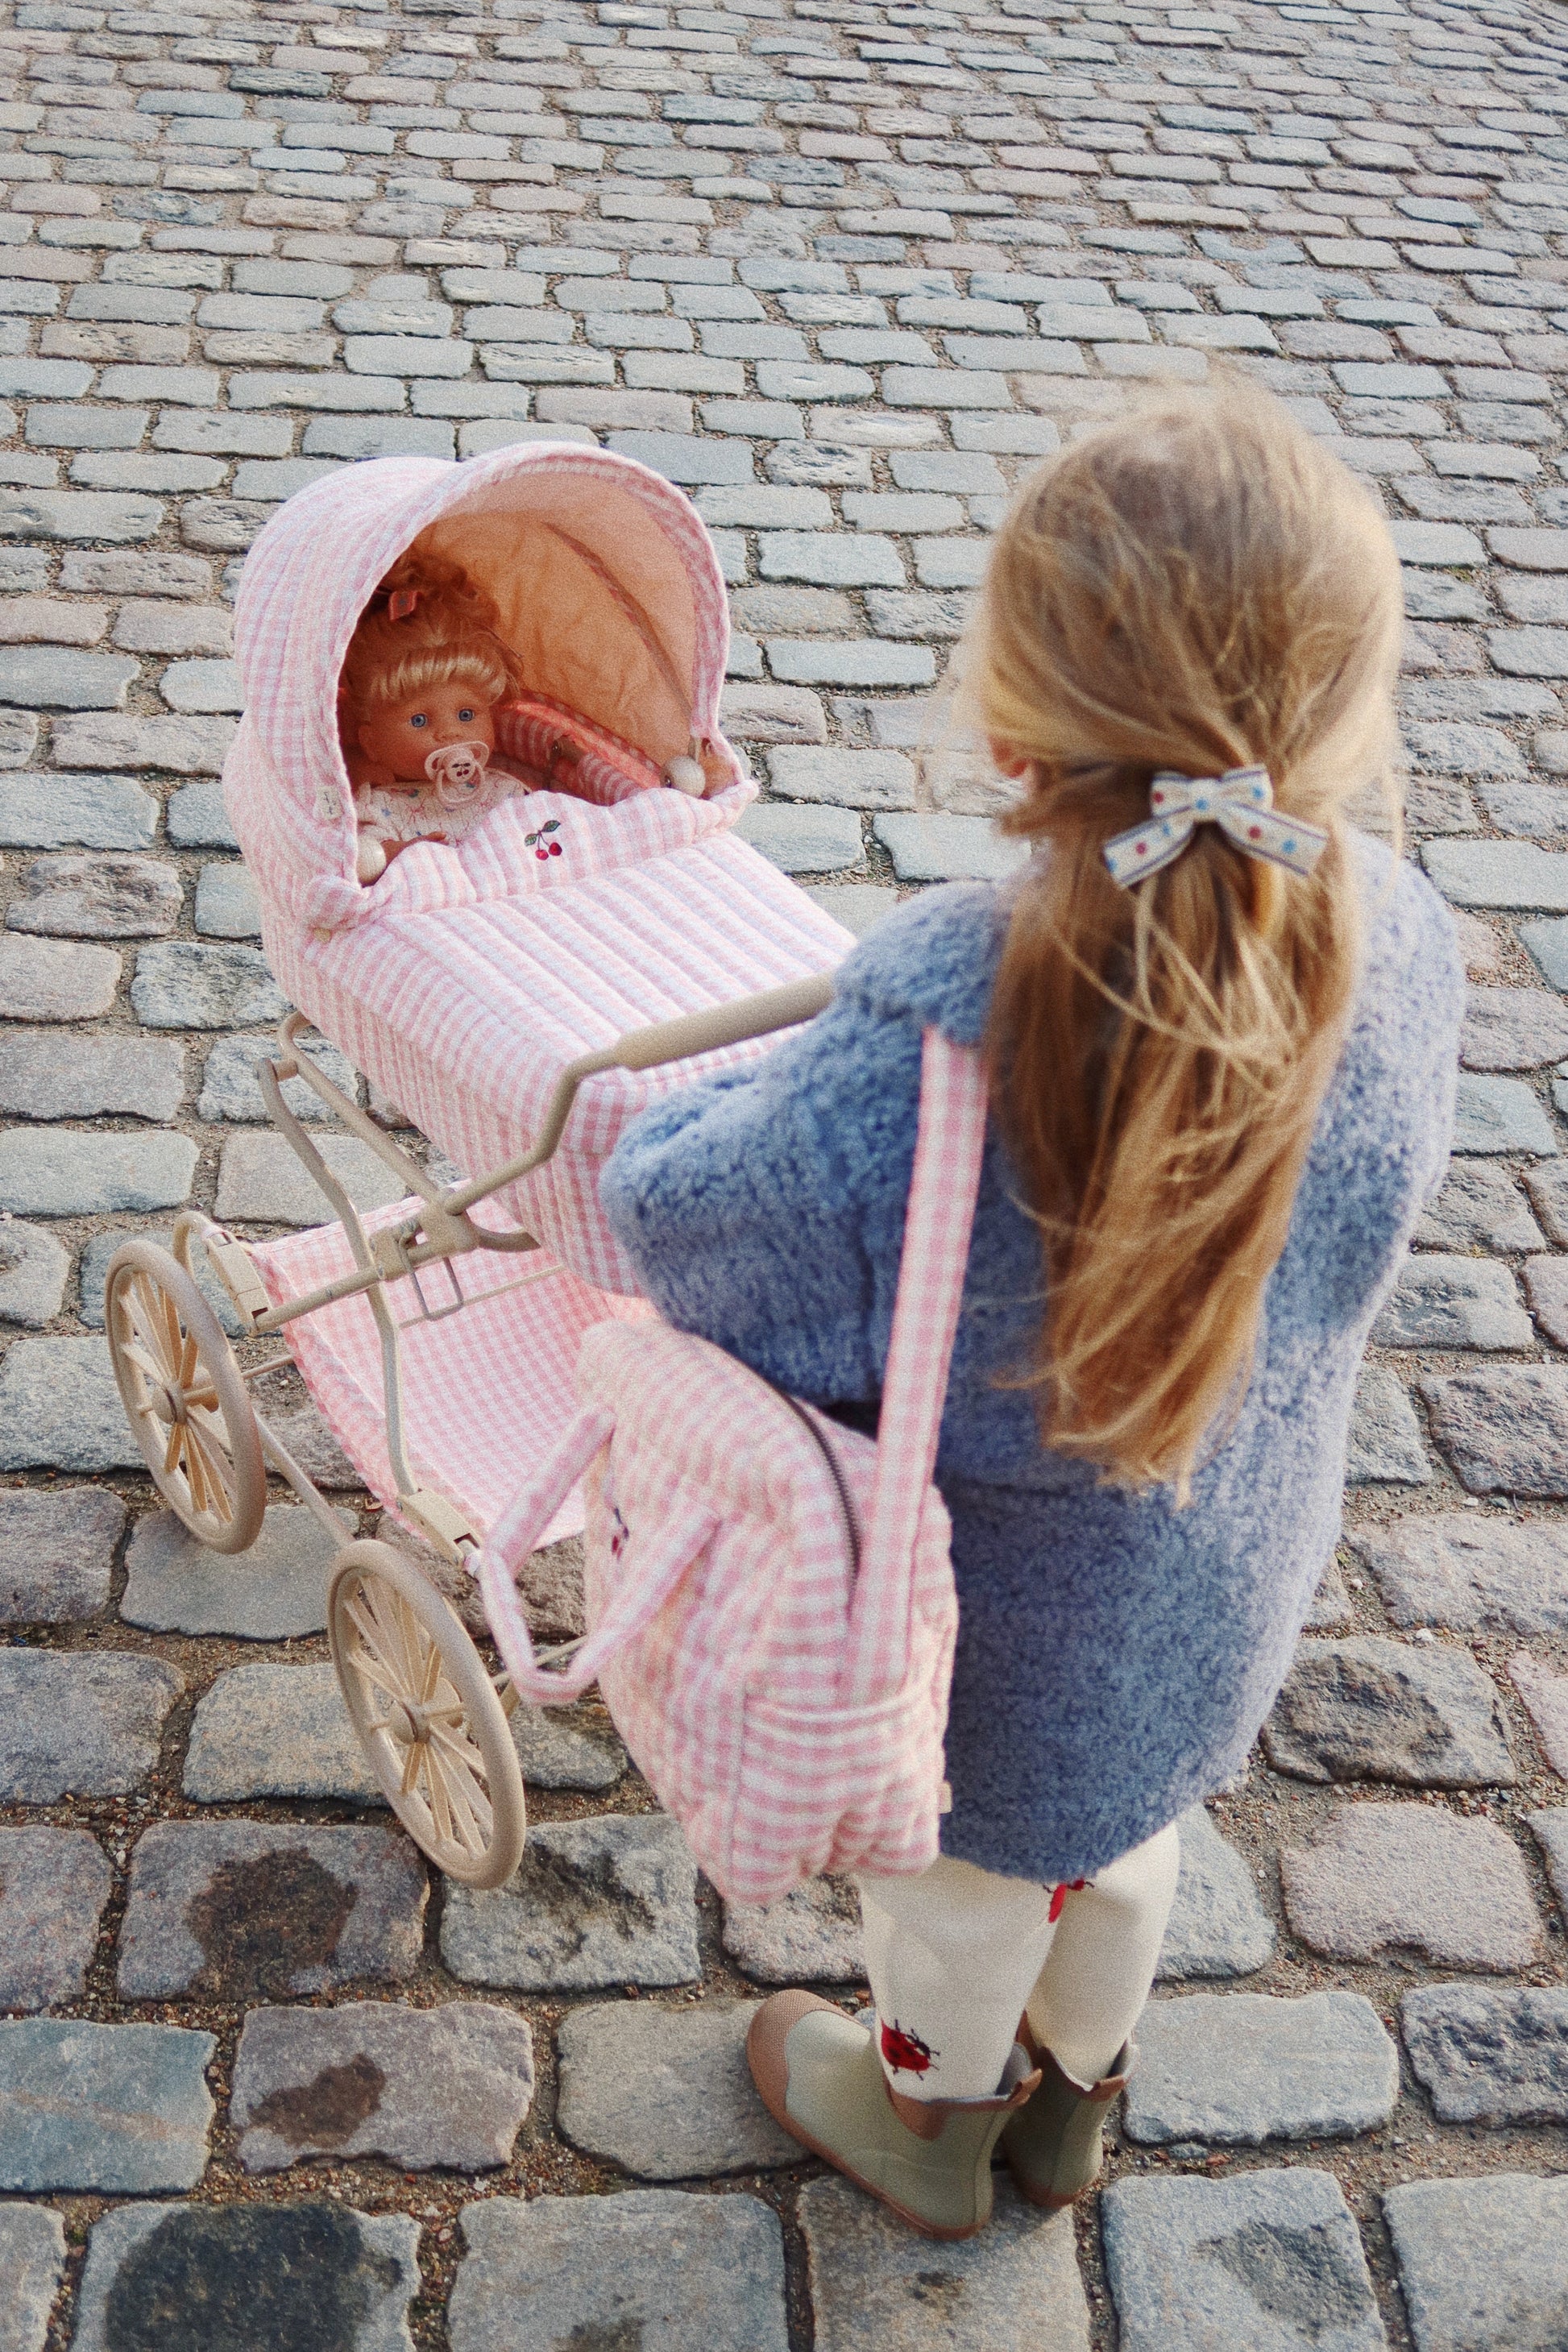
point(446, 633)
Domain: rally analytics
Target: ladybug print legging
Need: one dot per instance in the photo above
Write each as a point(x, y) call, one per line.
point(957, 1955)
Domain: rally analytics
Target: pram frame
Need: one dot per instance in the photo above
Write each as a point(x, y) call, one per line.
point(432, 1718)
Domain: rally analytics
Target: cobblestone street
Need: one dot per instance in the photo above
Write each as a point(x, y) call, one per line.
point(842, 270)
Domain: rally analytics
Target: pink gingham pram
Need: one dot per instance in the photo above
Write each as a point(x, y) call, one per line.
point(519, 1009)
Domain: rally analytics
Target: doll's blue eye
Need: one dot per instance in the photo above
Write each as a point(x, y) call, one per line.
point(465, 716)
point(419, 720)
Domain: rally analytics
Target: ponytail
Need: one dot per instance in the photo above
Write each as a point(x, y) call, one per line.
point(1200, 588)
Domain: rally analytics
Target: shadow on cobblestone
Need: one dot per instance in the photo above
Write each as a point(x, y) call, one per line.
point(295, 2278)
point(260, 1923)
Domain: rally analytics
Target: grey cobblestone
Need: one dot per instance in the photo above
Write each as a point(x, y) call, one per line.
point(1387, 1879)
point(261, 1180)
point(242, 1908)
point(1453, 1302)
point(229, 1087)
point(449, 2086)
point(33, 1272)
point(804, 840)
point(55, 1172)
point(607, 1901)
point(1497, 1115)
point(198, 820)
point(228, 906)
point(810, 1935)
point(1218, 1926)
point(1369, 1709)
point(88, 1724)
point(1480, 2261)
point(1551, 1830)
point(57, 1553)
point(287, 2272)
point(1386, 1440)
point(948, 848)
point(1265, 2262)
point(1479, 1208)
point(650, 2267)
point(50, 1076)
point(276, 1731)
point(60, 1410)
point(33, 2260)
point(120, 2109)
point(666, 2092)
point(97, 897)
point(55, 980)
point(1015, 2289)
point(1545, 1696)
point(54, 1886)
point(183, 984)
point(69, 810)
point(1470, 1574)
point(1489, 2057)
point(173, 1586)
point(1506, 1429)
point(1235, 2069)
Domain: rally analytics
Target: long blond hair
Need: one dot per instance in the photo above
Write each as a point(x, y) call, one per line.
point(1201, 586)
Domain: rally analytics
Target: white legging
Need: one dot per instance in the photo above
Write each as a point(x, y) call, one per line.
point(956, 1955)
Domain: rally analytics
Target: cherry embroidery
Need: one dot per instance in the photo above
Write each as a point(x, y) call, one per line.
point(906, 2052)
point(1059, 1895)
point(536, 842)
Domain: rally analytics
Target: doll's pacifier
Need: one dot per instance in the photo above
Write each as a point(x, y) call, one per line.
point(457, 770)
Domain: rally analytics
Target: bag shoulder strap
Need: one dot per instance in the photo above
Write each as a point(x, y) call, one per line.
point(950, 1145)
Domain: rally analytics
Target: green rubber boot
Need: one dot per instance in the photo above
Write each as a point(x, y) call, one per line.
point(1054, 2146)
point(820, 2077)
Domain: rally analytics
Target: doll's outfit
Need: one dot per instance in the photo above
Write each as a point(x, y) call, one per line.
point(449, 805)
point(1116, 1655)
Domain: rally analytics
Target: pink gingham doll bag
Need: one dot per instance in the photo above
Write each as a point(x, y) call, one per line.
point(770, 1595)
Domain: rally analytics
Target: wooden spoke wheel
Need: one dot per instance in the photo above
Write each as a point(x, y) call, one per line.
point(427, 1714)
point(187, 1400)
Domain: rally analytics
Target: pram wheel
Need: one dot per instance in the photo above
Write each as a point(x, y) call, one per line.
point(185, 1398)
point(427, 1714)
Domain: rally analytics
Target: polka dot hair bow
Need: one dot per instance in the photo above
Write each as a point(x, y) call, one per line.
point(1241, 802)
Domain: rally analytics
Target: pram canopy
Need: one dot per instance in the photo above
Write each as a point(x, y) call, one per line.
point(466, 978)
point(609, 592)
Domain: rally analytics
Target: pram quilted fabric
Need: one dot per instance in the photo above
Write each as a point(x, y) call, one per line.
point(468, 976)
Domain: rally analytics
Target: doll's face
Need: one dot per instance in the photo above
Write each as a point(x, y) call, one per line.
point(402, 736)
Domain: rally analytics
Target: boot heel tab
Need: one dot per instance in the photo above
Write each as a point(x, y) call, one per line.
point(1122, 2068)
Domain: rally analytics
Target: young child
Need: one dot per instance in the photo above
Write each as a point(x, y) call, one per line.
point(1221, 1032)
point(420, 682)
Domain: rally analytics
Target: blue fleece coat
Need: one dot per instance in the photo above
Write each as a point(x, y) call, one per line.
point(1116, 1654)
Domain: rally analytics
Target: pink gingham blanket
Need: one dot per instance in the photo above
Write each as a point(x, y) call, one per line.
point(770, 1595)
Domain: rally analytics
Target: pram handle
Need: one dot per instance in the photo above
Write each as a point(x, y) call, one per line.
point(725, 1025)
point(642, 1049)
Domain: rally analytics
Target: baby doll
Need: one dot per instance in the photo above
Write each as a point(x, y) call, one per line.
point(421, 680)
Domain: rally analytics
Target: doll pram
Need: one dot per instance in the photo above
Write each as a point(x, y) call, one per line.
point(519, 995)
